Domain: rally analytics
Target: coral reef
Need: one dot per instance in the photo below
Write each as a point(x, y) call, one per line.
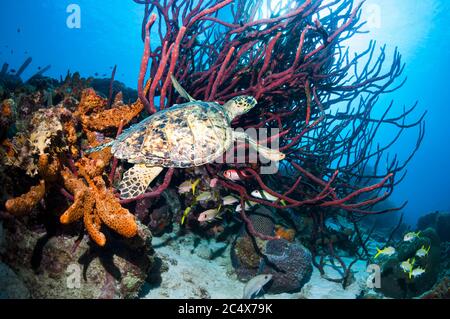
point(7, 117)
point(53, 138)
point(62, 185)
point(104, 87)
point(285, 233)
point(294, 64)
point(41, 143)
point(445, 256)
point(247, 251)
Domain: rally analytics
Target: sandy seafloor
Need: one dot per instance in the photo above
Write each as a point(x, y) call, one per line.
point(196, 268)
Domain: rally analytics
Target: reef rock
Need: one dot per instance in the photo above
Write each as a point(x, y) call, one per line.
point(58, 267)
point(445, 257)
point(440, 221)
point(11, 286)
point(440, 291)
point(246, 252)
point(395, 283)
point(290, 263)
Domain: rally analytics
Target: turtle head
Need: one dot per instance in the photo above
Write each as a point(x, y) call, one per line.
point(239, 105)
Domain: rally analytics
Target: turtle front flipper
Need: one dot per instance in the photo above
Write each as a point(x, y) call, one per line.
point(136, 180)
point(271, 154)
point(181, 90)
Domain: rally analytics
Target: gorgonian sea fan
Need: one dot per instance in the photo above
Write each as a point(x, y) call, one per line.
point(296, 64)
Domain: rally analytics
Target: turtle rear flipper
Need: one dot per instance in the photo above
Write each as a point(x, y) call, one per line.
point(136, 180)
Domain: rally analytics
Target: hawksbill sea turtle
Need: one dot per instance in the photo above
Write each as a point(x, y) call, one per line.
point(185, 135)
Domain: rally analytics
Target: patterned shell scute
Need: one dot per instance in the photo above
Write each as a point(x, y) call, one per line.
point(190, 134)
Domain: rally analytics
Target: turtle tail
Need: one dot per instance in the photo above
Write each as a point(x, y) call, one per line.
point(99, 148)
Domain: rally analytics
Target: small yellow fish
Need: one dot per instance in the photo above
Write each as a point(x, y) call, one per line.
point(185, 214)
point(229, 200)
point(416, 272)
point(407, 265)
point(388, 251)
point(422, 252)
point(411, 236)
point(204, 196)
point(209, 215)
point(194, 185)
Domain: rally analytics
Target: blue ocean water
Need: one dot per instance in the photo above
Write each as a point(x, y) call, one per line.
point(110, 34)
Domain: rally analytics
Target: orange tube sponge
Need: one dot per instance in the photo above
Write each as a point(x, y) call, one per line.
point(49, 167)
point(81, 202)
point(112, 213)
point(25, 203)
point(71, 137)
point(6, 108)
point(93, 223)
point(112, 117)
point(90, 168)
point(97, 205)
point(82, 207)
point(90, 102)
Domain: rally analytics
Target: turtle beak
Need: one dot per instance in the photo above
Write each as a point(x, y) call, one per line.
point(252, 101)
